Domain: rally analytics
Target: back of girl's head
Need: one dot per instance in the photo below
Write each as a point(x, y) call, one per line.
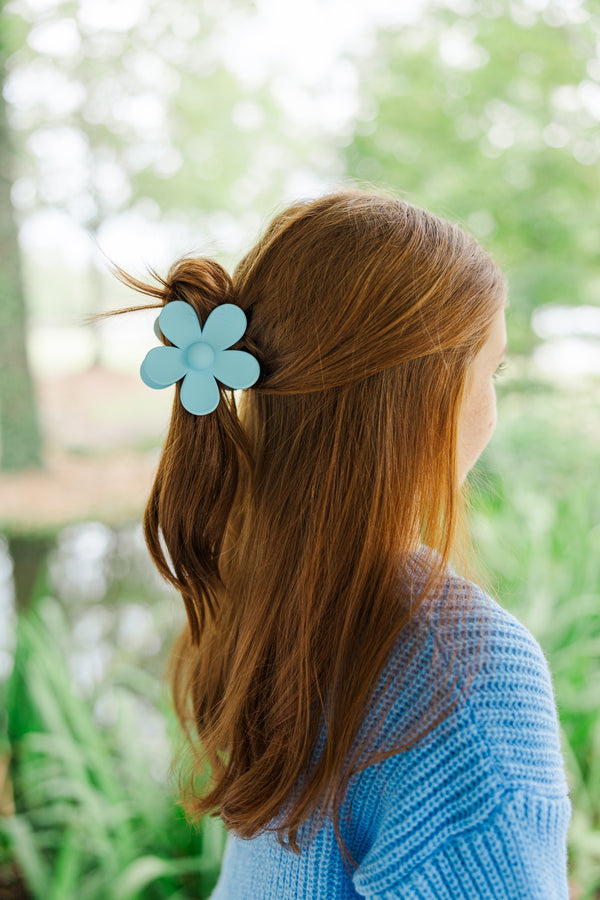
point(366, 313)
point(292, 523)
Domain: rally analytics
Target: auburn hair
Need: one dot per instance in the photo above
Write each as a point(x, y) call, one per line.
point(291, 515)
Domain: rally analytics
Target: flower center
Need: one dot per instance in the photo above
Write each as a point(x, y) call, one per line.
point(200, 355)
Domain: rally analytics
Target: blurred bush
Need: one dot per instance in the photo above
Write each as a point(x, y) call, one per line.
point(93, 817)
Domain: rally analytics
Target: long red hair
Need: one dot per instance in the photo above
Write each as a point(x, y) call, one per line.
point(291, 522)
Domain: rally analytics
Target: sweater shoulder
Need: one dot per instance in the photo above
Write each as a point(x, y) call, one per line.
point(469, 719)
point(517, 849)
point(480, 641)
point(475, 676)
point(509, 689)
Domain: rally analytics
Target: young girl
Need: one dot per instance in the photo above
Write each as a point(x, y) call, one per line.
point(366, 722)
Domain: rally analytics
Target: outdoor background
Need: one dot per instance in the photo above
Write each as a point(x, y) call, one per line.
point(139, 131)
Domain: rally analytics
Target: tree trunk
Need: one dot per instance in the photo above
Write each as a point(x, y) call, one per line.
point(20, 435)
point(29, 554)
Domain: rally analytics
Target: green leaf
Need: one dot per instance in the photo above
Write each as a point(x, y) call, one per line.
point(27, 853)
point(148, 869)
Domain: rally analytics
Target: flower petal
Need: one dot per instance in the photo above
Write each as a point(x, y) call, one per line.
point(163, 366)
point(179, 323)
point(236, 368)
point(199, 393)
point(224, 325)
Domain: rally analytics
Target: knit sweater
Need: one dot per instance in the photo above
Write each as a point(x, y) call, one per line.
point(478, 808)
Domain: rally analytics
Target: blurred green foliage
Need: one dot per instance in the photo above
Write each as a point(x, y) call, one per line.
point(91, 818)
point(495, 125)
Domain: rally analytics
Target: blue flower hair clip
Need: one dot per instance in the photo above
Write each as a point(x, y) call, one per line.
point(200, 355)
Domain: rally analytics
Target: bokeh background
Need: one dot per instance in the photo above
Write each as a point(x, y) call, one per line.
point(139, 131)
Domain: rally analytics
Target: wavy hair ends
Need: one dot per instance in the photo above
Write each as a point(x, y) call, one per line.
point(294, 527)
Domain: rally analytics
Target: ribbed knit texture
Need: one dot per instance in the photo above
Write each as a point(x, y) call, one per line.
point(479, 808)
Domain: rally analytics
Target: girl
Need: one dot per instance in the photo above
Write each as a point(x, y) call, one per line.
point(366, 722)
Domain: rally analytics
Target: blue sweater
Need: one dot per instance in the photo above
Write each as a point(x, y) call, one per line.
point(477, 809)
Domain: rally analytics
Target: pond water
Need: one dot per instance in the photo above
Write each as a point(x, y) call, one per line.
point(122, 619)
point(109, 587)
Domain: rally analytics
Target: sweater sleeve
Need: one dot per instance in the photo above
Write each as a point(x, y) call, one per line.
point(481, 809)
point(519, 853)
